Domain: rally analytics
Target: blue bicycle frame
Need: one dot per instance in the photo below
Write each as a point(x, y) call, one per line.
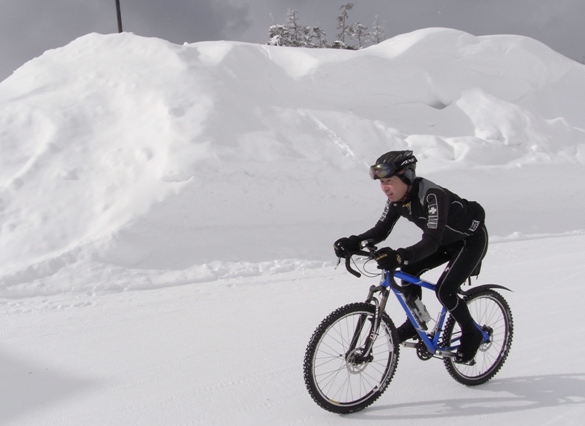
point(432, 342)
point(388, 283)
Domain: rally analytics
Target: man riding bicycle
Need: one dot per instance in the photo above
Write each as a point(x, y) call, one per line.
point(454, 232)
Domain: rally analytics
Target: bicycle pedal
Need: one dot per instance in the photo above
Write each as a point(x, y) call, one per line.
point(470, 363)
point(410, 344)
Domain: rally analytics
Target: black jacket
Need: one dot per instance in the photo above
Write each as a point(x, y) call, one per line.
point(444, 217)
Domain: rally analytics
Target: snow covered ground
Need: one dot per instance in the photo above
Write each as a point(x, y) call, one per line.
point(167, 214)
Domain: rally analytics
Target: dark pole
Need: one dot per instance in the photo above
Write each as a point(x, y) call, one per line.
point(119, 13)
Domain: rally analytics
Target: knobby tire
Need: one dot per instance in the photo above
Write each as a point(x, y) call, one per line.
point(491, 312)
point(335, 381)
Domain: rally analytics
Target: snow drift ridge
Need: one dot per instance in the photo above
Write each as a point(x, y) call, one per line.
point(128, 158)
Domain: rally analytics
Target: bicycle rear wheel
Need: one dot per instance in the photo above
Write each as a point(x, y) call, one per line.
point(492, 313)
point(337, 375)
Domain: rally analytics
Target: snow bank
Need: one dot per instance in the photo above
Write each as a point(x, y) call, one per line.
point(130, 162)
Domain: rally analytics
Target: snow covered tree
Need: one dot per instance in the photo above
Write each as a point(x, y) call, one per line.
point(360, 33)
point(295, 35)
point(378, 32)
point(294, 29)
point(319, 39)
point(342, 25)
point(278, 36)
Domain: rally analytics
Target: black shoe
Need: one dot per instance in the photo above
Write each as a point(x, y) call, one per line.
point(406, 331)
point(470, 342)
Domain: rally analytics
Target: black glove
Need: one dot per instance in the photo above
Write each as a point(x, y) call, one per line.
point(346, 244)
point(388, 259)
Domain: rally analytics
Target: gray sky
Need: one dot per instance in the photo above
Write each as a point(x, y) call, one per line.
point(30, 27)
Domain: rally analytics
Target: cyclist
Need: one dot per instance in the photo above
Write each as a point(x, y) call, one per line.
point(454, 232)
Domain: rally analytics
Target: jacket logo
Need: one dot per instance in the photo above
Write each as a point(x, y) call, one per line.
point(385, 213)
point(432, 212)
point(474, 225)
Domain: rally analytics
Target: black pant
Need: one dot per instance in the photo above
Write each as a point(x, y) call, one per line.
point(462, 259)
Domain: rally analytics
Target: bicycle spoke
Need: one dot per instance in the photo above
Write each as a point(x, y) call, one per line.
point(491, 312)
point(339, 376)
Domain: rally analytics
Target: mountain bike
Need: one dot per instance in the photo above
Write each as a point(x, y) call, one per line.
point(352, 356)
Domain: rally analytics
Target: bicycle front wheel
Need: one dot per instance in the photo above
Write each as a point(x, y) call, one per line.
point(339, 376)
point(492, 313)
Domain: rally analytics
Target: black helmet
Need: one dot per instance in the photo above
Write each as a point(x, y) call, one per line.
point(394, 162)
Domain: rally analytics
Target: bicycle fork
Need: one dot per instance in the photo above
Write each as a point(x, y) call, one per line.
point(363, 354)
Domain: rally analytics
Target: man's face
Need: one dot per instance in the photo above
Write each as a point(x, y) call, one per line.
point(394, 188)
